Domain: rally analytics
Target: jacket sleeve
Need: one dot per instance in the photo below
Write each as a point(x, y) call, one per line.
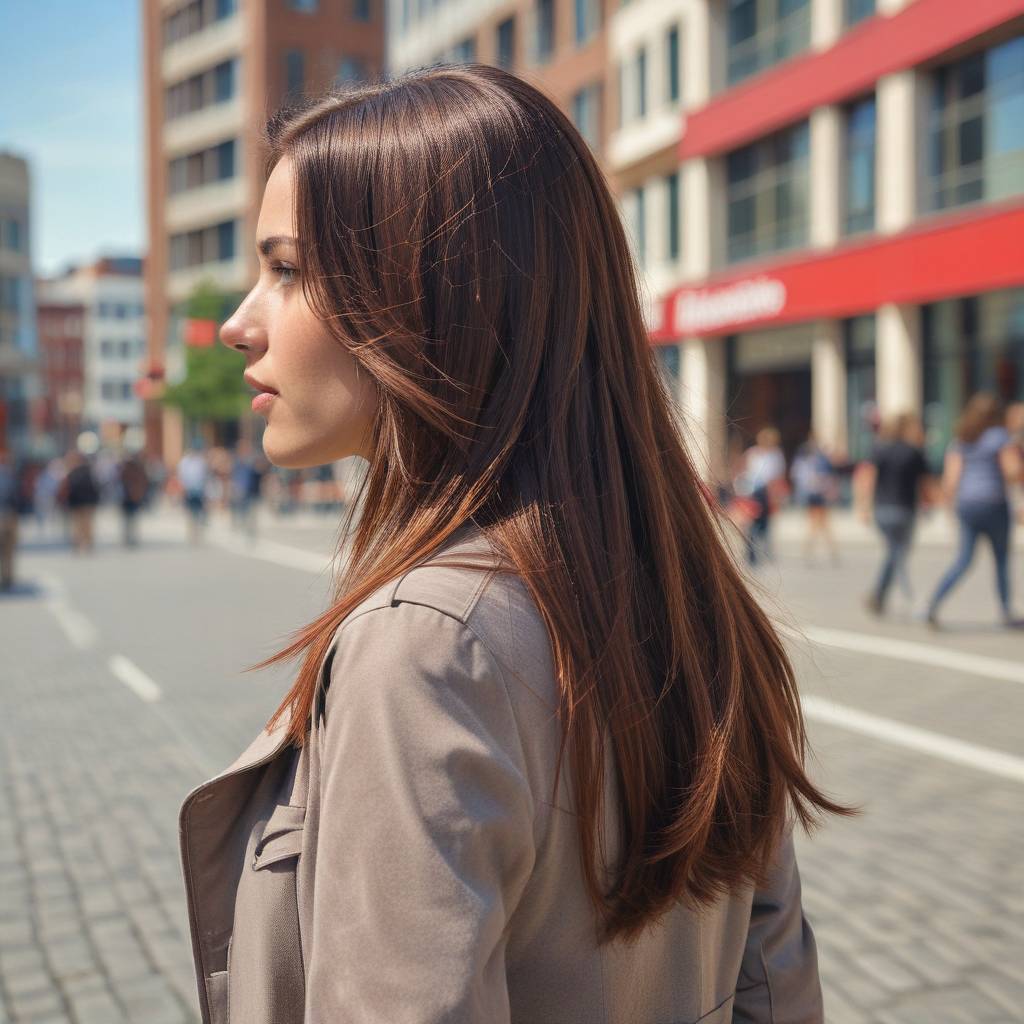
point(778, 980)
point(425, 839)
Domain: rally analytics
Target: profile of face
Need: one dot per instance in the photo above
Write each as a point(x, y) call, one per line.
point(323, 404)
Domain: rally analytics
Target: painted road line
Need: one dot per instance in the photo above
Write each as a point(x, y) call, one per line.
point(79, 630)
point(271, 551)
point(982, 759)
point(135, 679)
point(909, 650)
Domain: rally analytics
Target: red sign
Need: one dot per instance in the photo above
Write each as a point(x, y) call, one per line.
point(959, 255)
point(200, 333)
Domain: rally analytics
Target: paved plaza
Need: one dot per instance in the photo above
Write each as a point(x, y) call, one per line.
point(123, 687)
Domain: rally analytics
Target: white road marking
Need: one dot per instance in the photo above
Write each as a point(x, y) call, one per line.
point(983, 759)
point(909, 650)
point(271, 551)
point(80, 631)
point(135, 679)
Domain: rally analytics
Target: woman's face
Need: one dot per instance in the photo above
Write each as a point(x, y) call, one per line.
point(323, 407)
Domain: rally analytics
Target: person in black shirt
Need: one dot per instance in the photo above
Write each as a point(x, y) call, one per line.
point(893, 486)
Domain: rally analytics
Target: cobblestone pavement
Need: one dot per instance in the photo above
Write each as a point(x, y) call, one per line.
point(917, 904)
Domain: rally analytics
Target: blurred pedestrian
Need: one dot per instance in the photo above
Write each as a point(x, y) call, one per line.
point(45, 496)
point(1015, 428)
point(80, 494)
point(193, 475)
point(8, 519)
point(134, 490)
point(762, 481)
point(245, 481)
point(815, 489)
point(890, 489)
point(979, 465)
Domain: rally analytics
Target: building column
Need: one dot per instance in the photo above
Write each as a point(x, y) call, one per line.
point(828, 386)
point(898, 359)
point(702, 402)
point(826, 22)
point(827, 176)
point(899, 140)
point(702, 182)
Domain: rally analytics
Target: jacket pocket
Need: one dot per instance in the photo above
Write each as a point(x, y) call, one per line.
point(281, 837)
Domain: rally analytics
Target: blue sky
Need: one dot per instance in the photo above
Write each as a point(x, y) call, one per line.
point(72, 104)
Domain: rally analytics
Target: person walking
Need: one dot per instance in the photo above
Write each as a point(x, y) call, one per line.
point(761, 481)
point(8, 518)
point(891, 488)
point(244, 486)
point(193, 475)
point(134, 489)
point(979, 466)
point(815, 487)
point(536, 570)
point(80, 493)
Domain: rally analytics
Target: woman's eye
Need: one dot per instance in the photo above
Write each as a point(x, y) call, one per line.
point(286, 274)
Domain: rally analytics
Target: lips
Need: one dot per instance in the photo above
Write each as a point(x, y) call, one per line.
point(257, 385)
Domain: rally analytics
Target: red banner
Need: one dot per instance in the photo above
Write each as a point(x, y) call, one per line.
point(201, 333)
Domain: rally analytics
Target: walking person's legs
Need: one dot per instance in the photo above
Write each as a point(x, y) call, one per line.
point(8, 545)
point(895, 525)
point(968, 540)
point(998, 535)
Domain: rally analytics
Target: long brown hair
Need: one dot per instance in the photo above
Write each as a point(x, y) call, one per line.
point(983, 410)
point(461, 240)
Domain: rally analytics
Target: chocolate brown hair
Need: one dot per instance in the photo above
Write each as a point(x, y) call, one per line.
point(460, 239)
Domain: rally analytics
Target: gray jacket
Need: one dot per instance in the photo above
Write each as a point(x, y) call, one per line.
point(407, 866)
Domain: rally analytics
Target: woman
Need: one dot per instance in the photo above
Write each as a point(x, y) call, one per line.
point(979, 464)
point(893, 487)
point(445, 289)
point(762, 480)
point(815, 485)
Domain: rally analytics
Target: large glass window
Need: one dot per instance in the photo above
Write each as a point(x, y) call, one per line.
point(641, 82)
point(586, 114)
point(768, 184)
point(587, 19)
point(194, 17)
point(859, 190)
point(216, 163)
point(545, 25)
point(672, 194)
point(672, 64)
point(464, 52)
point(212, 244)
point(764, 32)
point(294, 72)
point(972, 344)
point(350, 69)
point(214, 85)
point(858, 10)
point(506, 48)
point(976, 150)
point(859, 342)
point(361, 10)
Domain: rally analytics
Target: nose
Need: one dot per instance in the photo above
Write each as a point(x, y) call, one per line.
point(242, 331)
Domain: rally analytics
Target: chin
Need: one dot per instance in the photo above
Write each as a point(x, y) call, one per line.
point(299, 454)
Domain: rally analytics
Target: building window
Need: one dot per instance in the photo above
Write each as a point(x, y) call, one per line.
point(858, 10)
point(587, 19)
point(465, 51)
point(303, 5)
point(506, 46)
point(350, 70)
point(641, 82)
point(764, 32)
point(213, 244)
point(106, 348)
point(215, 85)
point(976, 144)
point(544, 44)
point(672, 195)
point(768, 184)
point(859, 345)
point(217, 163)
point(294, 73)
point(586, 114)
point(10, 234)
point(361, 10)
point(970, 344)
point(860, 166)
point(672, 64)
point(194, 17)
point(638, 224)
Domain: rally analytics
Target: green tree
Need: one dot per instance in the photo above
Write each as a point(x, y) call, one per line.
point(213, 389)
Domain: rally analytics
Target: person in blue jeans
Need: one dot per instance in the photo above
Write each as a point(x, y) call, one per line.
point(979, 465)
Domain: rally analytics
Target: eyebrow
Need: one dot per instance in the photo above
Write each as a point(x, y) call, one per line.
point(268, 245)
